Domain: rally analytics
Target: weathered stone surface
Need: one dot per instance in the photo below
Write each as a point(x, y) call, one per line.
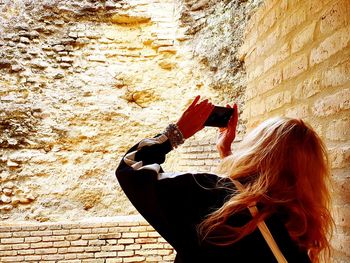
point(129, 19)
point(85, 80)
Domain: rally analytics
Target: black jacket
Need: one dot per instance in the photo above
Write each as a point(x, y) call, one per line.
point(175, 203)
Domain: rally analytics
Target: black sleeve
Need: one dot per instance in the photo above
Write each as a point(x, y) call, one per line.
point(171, 202)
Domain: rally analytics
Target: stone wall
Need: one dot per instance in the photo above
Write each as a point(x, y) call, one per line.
point(102, 240)
point(216, 29)
point(297, 60)
point(81, 81)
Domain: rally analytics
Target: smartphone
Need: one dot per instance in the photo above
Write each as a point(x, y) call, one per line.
point(219, 117)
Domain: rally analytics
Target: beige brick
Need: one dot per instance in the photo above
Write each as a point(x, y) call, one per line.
point(268, 21)
point(339, 156)
point(118, 229)
point(331, 45)
point(332, 104)
point(299, 111)
point(8, 253)
point(41, 245)
point(41, 233)
point(73, 237)
point(73, 261)
point(53, 238)
point(112, 225)
point(11, 228)
point(79, 243)
point(263, 48)
point(52, 257)
point(170, 257)
point(154, 259)
point(114, 260)
point(62, 250)
point(90, 224)
point(128, 253)
point(110, 236)
point(113, 248)
point(125, 241)
point(97, 242)
point(12, 240)
point(254, 73)
point(26, 252)
point(70, 225)
point(80, 231)
point(146, 240)
point(295, 67)
point(99, 230)
point(143, 223)
point(85, 255)
point(337, 76)
point(89, 236)
point(134, 259)
point(152, 246)
point(75, 249)
point(133, 247)
point(277, 100)
point(54, 226)
point(5, 247)
point(21, 234)
point(61, 244)
point(161, 240)
point(338, 130)
point(138, 229)
point(270, 81)
point(32, 257)
point(342, 217)
point(60, 232)
point(95, 260)
point(167, 246)
point(335, 16)
point(165, 252)
point(258, 107)
point(70, 256)
point(303, 38)
point(111, 241)
point(30, 228)
point(20, 246)
point(146, 252)
point(46, 251)
point(341, 242)
point(293, 21)
point(32, 239)
point(106, 254)
point(93, 249)
point(5, 234)
point(309, 87)
point(12, 259)
point(134, 223)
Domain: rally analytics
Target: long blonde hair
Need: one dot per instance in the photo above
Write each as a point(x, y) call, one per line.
point(285, 166)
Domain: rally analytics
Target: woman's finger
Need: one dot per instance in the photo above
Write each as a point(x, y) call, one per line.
point(234, 118)
point(194, 102)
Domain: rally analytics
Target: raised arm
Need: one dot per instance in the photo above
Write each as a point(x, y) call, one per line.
point(140, 174)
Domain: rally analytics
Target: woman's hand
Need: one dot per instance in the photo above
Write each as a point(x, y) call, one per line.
point(193, 119)
point(227, 134)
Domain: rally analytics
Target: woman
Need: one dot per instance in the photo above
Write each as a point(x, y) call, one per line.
point(280, 167)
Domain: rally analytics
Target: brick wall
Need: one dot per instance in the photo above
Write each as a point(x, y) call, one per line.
point(297, 57)
point(104, 240)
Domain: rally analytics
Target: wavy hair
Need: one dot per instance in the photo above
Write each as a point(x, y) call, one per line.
point(284, 165)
